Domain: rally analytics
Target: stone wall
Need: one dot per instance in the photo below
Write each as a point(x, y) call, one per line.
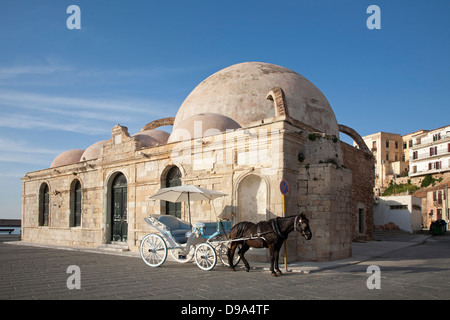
point(361, 164)
point(246, 164)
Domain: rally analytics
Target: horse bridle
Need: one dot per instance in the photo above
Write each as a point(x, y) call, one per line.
point(297, 218)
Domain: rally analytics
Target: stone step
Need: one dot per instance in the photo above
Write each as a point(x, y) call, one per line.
point(114, 247)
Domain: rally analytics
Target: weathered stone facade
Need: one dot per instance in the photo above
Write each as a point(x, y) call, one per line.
point(328, 181)
point(361, 165)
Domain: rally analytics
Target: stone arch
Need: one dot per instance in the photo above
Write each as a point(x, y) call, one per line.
point(173, 179)
point(75, 201)
point(356, 137)
point(159, 123)
point(276, 94)
point(252, 197)
point(108, 216)
point(44, 204)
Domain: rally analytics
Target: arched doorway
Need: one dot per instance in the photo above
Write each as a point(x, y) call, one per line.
point(119, 224)
point(173, 179)
point(252, 199)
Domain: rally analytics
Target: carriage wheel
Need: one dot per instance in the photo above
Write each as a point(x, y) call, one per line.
point(205, 256)
point(223, 250)
point(177, 254)
point(153, 250)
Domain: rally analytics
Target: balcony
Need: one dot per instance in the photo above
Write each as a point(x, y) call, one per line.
point(428, 141)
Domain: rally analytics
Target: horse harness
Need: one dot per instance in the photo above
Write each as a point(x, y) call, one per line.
point(259, 234)
point(277, 230)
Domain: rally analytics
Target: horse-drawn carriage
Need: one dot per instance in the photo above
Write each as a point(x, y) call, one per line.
point(206, 240)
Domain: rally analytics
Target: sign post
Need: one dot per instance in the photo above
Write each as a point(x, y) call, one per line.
point(284, 188)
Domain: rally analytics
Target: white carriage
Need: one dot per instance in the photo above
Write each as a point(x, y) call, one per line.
point(205, 241)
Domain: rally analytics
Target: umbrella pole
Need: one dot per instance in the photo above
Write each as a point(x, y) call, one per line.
point(189, 209)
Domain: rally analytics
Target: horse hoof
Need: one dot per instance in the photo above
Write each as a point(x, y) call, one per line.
point(279, 273)
point(274, 274)
point(247, 269)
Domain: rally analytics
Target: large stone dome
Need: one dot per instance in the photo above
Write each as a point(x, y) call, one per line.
point(93, 151)
point(67, 157)
point(151, 138)
point(202, 125)
point(239, 92)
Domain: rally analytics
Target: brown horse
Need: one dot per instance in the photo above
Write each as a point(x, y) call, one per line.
point(266, 234)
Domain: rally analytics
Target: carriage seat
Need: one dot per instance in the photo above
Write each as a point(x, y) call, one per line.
point(177, 227)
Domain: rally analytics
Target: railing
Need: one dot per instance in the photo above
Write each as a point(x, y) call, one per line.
point(423, 142)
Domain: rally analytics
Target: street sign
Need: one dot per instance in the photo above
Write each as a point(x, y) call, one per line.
point(284, 187)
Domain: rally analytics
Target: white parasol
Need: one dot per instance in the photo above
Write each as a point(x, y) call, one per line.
point(186, 193)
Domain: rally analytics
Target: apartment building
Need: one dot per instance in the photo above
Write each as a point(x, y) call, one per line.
point(430, 152)
point(390, 159)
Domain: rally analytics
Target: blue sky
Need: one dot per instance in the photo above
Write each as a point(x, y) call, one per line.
point(136, 61)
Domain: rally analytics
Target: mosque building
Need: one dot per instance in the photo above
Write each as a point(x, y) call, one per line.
point(241, 131)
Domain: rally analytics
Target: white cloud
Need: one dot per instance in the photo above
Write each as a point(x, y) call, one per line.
point(25, 110)
point(20, 151)
point(20, 121)
point(23, 147)
point(14, 71)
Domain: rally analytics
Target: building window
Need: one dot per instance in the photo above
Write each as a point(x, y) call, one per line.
point(44, 205)
point(173, 179)
point(387, 156)
point(387, 143)
point(75, 198)
point(438, 165)
point(433, 151)
point(439, 200)
point(436, 137)
point(448, 147)
point(396, 144)
point(398, 207)
point(415, 155)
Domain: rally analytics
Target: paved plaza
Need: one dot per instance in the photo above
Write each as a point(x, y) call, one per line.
point(410, 267)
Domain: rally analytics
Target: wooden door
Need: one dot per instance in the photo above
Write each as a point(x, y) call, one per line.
point(119, 224)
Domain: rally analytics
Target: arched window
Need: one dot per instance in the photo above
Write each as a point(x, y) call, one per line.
point(173, 179)
point(44, 206)
point(75, 197)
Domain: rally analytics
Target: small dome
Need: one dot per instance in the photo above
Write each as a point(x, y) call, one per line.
point(240, 92)
point(202, 125)
point(67, 157)
point(151, 138)
point(93, 151)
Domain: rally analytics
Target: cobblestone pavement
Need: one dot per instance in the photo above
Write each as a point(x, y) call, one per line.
point(417, 272)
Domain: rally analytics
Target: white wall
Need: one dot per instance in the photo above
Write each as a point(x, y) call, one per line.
point(408, 219)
